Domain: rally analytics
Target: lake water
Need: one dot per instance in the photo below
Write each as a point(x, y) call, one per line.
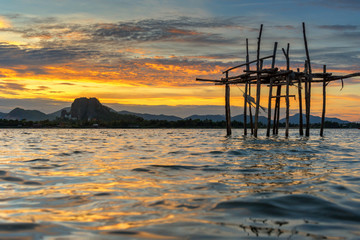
point(178, 184)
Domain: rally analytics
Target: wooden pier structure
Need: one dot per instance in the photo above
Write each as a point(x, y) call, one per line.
point(273, 77)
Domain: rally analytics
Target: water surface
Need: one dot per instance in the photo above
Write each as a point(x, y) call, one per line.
point(178, 184)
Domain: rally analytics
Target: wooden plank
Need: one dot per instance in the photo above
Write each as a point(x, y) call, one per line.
point(247, 63)
point(207, 80)
point(266, 70)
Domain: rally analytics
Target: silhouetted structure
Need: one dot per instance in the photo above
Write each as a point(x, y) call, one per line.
point(274, 77)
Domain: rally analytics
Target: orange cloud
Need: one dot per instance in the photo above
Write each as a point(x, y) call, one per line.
point(4, 23)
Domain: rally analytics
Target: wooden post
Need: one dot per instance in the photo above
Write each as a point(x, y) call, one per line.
point(301, 131)
point(227, 107)
point(287, 90)
point(309, 80)
point(258, 84)
point(274, 55)
point(246, 90)
point(269, 109)
point(245, 108)
point(270, 92)
point(250, 113)
point(306, 70)
point(324, 104)
point(287, 106)
point(277, 111)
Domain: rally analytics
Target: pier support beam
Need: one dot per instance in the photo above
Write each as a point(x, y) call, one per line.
point(308, 82)
point(227, 108)
point(245, 108)
point(258, 85)
point(269, 109)
point(287, 106)
point(324, 104)
point(301, 130)
point(250, 113)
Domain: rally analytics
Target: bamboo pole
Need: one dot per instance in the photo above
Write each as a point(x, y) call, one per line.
point(274, 55)
point(324, 105)
point(287, 106)
point(278, 113)
point(246, 89)
point(227, 108)
point(269, 109)
point(270, 91)
point(287, 89)
point(250, 114)
point(309, 79)
point(306, 70)
point(276, 110)
point(301, 131)
point(245, 108)
point(258, 84)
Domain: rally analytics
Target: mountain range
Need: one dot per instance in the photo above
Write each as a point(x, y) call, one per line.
point(91, 108)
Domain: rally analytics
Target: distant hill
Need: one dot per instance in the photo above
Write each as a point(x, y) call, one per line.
point(214, 118)
point(147, 116)
point(57, 114)
point(313, 119)
point(218, 118)
point(91, 108)
point(30, 115)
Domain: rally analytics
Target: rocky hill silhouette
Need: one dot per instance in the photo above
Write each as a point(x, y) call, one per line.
point(91, 109)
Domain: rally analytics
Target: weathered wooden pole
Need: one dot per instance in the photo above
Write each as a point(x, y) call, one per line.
point(306, 70)
point(250, 113)
point(276, 110)
point(287, 90)
point(258, 84)
point(301, 131)
point(324, 104)
point(245, 108)
point(227, 107)
point(269, 109)
point(270, 92)
point(246, 89)
point(287, 106)
point(309, 80)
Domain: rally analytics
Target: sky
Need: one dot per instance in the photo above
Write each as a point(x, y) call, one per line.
point(144, 56)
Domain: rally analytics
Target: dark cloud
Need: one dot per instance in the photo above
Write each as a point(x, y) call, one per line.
point(11, 55)
point(339, 27)
point(11, 87)
point(182, 29)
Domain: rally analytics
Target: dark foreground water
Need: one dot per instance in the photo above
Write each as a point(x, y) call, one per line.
point(178, 184)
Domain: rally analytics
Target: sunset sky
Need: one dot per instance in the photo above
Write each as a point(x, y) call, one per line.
point(144, 56)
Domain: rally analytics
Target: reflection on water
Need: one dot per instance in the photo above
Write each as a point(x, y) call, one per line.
point(110, 184)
